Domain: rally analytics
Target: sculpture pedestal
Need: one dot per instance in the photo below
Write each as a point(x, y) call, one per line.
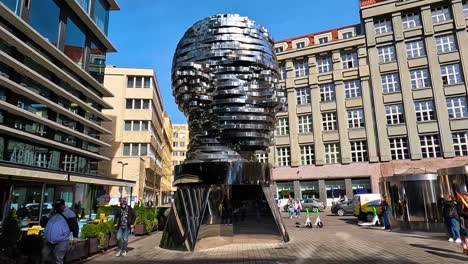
point(220, 203)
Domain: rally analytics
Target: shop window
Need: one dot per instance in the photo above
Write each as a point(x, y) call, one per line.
point(285, 190)
point(361, 186)
point(310, 190)
point(26, 199)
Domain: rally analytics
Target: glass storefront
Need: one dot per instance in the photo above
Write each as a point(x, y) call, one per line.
point(335, 191)
point(310, 190)
point(361, 186)
point(44, 18)
point(285, 189)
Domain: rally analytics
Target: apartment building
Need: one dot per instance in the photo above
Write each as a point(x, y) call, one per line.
point(180, 141)
point(373, 100)
point(141, 135)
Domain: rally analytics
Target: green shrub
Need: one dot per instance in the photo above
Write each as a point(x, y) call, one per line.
point(107, 210)
point(89, 231)
point(11, 233)
point(32, 245)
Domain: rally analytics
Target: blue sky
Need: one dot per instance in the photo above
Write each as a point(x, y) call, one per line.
point(146, 32)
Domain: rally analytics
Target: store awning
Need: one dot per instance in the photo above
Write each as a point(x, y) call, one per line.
point(101, 181)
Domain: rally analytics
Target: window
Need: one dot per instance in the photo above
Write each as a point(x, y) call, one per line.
point(420, 79)
point(135, 149)
point(399, 148)
point(332, 153)
point(352, 88)
point(301, 68)
point(182, 144)
point(411, 20)
point(327, 92)
point(430, 147)
point(139, 82)
point(359, 151)
point(347, 35)
point(307, 155)
point(175, 153)
point(323, 40)
point(383, 26)
point(262, 157)
point(181, 153)
point(305, 123)
point(349, 60)
point(329, 121)
point(395, 114)
point(460, 143)
point(456, 107)
point(440, 14)
point(415, 49)
point(137, 125)
point(282, 68)
point(324, 64)
point(44, 17)
point(70, 163)
point(390, 83)
point(175, 144)
point(278, 49)
point(386, 54)
point(451, 74)
point(355, 118)
point(424, 110)
point(282, 156)
point(303, 95)
point(137, 104)
point(175, 135)
point(282, 127)
point(465, 8)
point(445, 44)
point(300, 45)
point(75, 39)
point(101, 15)
point(15, 6)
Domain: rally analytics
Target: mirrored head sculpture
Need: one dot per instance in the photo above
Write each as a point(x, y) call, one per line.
point(225, 80)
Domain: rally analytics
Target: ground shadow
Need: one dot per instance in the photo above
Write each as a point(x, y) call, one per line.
point(433, 248)
point(445, 255)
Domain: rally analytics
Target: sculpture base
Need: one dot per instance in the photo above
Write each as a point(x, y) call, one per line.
point(211, 215)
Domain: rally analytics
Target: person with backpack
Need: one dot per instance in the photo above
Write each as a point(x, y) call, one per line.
point(450, 214)
point(59, 223)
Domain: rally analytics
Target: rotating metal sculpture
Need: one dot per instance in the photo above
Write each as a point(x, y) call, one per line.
point(225, 80)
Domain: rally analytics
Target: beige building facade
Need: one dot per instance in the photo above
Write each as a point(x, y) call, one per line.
point(141, 135)
point(180, 142)
point(373, 100)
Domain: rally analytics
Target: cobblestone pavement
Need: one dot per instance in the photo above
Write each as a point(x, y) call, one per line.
point(340, 241)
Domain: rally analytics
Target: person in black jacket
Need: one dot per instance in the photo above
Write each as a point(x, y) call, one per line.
point(450, 214)
point(124, 219)
point(463, 214)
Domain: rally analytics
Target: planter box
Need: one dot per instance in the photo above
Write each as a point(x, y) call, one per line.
point(113, 239)
point(140, 230)
point(93, 246)
point(79, 252)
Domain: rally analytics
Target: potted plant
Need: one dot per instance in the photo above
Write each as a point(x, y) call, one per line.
point(80, 251)
point(140, 228)
point(112, 234)
point(10, 235)
point(90, 232)
point(31, 247)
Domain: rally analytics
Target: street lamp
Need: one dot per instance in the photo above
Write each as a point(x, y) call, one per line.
point(123, 166)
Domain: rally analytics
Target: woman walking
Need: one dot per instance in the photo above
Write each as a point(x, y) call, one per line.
point(298, 207)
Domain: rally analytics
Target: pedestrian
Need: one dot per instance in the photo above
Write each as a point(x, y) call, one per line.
point(277, 203)
point(290, 207)
point(450, 213)
point(298, 207)
point(59, 223)
point(125, 219)
point(463, 214)
point(385, 213)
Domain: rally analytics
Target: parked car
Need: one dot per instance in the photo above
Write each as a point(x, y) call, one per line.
point(312, 203)
point(343, 207)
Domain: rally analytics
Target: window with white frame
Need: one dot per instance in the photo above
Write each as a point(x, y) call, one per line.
point(349, 59)
point(352, 88)
point(303, 95)
point(139, 82)
point(430, 147)
point(399, 148)
point(386, 54)
point(137, 103)
point(395, 114)
point(332, 153)
point(383, 26)
point(282, 68)
point(278, 49)
point(451, 74)
point(411, 20)
point(415, 49)
point(70, 163)
point(440, 14)
point(420, 78)
point(282, 126)
point(460, 143)
point(262, 157)
point(465, 8)
point(323, 40)
point(456, 107)
point(175, 144)
point(355, 118)
point(300, 45)
point(424, 110)
point(446, 43)
point(135, 149)
point(324, 64)
point(175, 153)
point(390, 83)
point(182, 144)
point(283, 157)
point(307, 154)
point(359, 151)
point(304, 123)
point(301, 68)
point(327, 92)
point(346, 35)
point(137, 125)
point(329, 121)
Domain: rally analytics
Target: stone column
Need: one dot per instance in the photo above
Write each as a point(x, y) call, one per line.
point(322, 191)
point(349, 188)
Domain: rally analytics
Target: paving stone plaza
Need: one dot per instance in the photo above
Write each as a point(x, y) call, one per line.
point(340, 241)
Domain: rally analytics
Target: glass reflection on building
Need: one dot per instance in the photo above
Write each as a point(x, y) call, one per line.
point(75, 40)
point(285, 189)
point(101, 15)
point(44, 16)
point(310, 190)
point(14, 5)
point(335, 190)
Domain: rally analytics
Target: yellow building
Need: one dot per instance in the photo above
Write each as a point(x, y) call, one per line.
point(180, 141)
point(140, 141)
point(168, 179)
